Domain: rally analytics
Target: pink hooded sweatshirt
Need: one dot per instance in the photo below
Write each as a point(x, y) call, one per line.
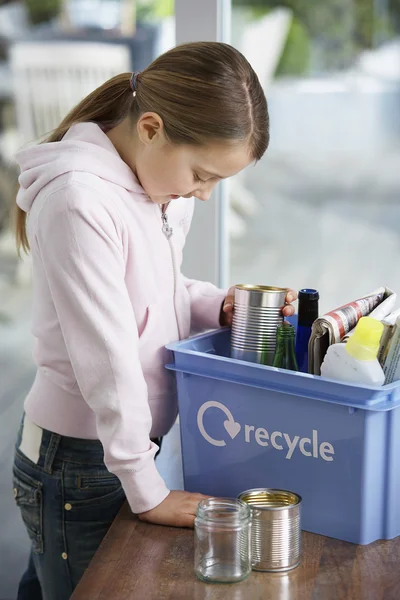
point(108, 296)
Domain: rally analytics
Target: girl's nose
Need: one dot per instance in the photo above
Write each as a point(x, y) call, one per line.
point(202, 195)
point(204, 192)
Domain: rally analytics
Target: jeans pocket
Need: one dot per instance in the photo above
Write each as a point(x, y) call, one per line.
point(29, 498)
point(91, 494)
point(104, 482)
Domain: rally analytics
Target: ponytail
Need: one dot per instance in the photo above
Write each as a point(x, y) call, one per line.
point(203, 91)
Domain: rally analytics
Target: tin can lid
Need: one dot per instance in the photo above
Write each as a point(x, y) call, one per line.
point(249, 287)
point(270, 498)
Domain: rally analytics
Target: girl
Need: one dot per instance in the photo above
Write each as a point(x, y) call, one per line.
point(109, 198)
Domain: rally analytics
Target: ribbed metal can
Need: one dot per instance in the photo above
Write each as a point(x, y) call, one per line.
point(276, 528)
point(256, 317)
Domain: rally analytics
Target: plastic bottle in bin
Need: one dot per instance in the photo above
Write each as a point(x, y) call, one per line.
point(356, 361)
point(307, 314)
point(285, 355)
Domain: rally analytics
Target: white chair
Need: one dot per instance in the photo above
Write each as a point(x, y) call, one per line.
point(50, 78)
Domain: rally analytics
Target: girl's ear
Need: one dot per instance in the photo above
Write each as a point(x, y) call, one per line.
point(150, 128)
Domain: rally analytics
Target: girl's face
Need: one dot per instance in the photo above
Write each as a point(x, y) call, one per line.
point(167, 171)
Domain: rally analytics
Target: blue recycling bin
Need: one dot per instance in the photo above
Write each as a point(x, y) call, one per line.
point(245, 425)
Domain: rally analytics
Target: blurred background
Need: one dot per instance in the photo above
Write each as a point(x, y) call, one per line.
point(321, 209)
point(326, 211)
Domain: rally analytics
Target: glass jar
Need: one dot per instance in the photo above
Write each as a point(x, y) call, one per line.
point(222, 540)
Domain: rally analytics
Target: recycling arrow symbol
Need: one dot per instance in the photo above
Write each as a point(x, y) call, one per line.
point(231, 426)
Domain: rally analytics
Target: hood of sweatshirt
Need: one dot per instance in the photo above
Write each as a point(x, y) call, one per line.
point(85, 147)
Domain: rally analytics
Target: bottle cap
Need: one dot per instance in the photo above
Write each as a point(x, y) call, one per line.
point(308, 306)
point(308, 294)
point(364, 343)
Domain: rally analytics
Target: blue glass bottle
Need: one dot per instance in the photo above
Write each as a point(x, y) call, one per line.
point(308, 312)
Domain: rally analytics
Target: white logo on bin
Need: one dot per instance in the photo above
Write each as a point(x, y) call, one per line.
point(308, 446)
point(230, 425)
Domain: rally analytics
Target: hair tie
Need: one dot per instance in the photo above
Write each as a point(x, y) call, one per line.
point(133, 81)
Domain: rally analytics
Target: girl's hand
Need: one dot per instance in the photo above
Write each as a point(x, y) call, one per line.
point(227, 307)
point(177, 510)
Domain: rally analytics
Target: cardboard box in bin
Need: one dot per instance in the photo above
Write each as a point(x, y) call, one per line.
point(245, 425)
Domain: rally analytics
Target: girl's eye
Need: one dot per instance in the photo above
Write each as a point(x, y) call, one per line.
point(197, 178)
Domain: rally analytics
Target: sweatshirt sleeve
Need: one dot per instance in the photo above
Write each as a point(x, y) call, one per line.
point(80, 242)
point(205, 298)
point(205, 303)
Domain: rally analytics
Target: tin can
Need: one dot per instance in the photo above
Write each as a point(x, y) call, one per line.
point(256, 317)
point(276, 528)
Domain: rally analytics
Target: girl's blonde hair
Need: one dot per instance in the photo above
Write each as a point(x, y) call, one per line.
point(203, 91)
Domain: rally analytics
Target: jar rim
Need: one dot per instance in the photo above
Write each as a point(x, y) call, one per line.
point(223, 510)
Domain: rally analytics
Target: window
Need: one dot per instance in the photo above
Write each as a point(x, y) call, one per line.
point(322, 209)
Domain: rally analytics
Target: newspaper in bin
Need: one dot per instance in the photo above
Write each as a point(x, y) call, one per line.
point(334, 326)
point(389, 327)
point(391, 359)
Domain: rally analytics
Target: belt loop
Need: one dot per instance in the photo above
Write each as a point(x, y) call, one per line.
point(52, 448)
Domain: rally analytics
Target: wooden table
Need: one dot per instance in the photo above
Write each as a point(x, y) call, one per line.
point(138, 561)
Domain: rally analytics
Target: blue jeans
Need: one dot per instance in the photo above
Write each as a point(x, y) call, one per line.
point(68, 500)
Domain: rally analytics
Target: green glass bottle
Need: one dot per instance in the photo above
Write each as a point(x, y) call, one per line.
point(285, 354)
